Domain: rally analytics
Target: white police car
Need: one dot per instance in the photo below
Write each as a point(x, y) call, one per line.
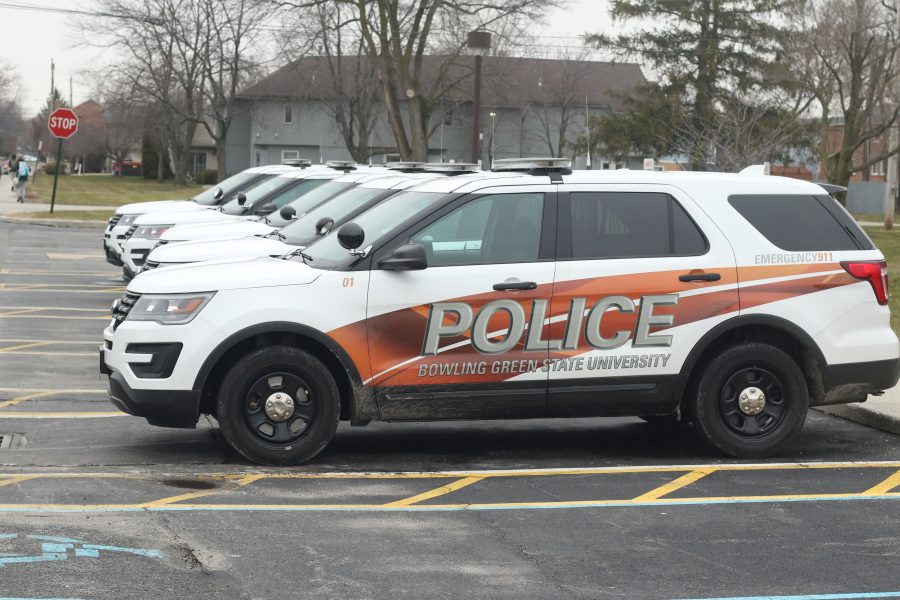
point(734, 301)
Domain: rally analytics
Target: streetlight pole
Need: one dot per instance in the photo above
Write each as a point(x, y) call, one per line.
point(493, 124)
point(479, 43)
point(891, 182)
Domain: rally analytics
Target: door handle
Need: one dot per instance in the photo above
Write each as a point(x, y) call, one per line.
point(515, 285)
point(699, 277)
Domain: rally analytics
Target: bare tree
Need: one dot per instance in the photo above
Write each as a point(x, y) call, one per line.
point(850, 63)
point(398, 35)
point(11, 121)
point(557, 106)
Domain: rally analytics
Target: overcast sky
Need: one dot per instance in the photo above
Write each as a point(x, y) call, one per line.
point(29, 39)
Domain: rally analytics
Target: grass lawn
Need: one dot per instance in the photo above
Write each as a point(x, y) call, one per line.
point(869, 217)
point(889, 244)
point(106, 190)
point(69, 215)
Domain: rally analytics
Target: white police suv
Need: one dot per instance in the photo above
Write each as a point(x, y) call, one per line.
point(119, 224)
point(734, 301)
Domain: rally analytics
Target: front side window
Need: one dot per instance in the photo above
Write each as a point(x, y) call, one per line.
point(303, 230)
point(255, 193)
point(631, 225)
point(502, 228)
point(208, 196)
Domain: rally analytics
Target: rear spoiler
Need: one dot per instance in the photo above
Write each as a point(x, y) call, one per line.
point(832, 189)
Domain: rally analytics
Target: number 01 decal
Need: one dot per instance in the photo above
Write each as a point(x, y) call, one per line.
point(348, 282)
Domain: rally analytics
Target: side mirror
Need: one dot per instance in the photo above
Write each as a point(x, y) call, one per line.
point(408, 257)
point(218, 193)
point(241, 198)
point(265, 209)
point(324, 226)
point(287, 213)
point(351, 236)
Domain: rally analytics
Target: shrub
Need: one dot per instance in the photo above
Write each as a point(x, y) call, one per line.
point(207, 177)
point(50, 168)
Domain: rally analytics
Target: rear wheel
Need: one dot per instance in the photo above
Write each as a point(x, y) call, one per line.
point(278, 406)
point(749, 401)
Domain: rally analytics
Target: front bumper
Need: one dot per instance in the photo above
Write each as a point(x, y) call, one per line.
point(163, 408)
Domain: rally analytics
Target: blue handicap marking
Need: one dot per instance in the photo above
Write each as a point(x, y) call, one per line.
point(58, 548)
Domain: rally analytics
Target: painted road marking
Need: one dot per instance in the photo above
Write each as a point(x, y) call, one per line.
point(26, 397)
point(885, 486)
point(25, 347)
point(444, 489)
point(61, 415)
point(57, 549)
point(91, 256)
point(654, 497)
point(851, 596)
point(33, 312)
point(110, 273)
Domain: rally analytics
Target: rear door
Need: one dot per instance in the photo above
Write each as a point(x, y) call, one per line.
point(642, 274)
point(451, 341)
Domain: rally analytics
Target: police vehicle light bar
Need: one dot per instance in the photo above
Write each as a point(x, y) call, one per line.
point(347, 165)
point(451, 167)
point(531, 164)
point(408, 165)
point(297, 162)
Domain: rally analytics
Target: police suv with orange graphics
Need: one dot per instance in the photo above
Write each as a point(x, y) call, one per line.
point(732, 302)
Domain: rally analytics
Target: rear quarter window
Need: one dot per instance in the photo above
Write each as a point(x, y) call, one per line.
point(799, 222)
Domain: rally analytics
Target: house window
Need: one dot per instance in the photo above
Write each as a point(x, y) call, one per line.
point(879, 168)
point(198, 160)
point(452, 117)
point(288, 114)
point(289, 155)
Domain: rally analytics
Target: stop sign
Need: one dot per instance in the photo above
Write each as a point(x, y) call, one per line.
point(63, 123)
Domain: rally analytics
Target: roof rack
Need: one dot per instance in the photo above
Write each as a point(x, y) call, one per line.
point(451, 168)
point(297, 162)
point(407, 166)
point(554, 167)
point(341, 165)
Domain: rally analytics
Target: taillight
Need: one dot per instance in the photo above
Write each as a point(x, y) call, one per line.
point(875, 272)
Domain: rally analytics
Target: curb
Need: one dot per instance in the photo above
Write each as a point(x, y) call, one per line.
point(863, 416)
point(54, 222)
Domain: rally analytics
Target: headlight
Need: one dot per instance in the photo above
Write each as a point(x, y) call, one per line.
point(151, 232)
point(174, 309)
point(127, 219)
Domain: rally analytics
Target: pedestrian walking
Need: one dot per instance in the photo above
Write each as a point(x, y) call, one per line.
point(24, 171)
point(13, 171)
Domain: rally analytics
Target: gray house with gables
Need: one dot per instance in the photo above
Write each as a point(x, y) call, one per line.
point(530, 107)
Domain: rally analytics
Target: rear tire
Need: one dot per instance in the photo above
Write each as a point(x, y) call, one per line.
point(749, 401)
point(278, 406)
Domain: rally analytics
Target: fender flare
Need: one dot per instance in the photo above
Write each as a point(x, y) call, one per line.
point(276, 327)
point(733, 323)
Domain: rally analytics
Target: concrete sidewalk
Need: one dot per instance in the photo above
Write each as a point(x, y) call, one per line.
point(881, 412)
point(9, 206)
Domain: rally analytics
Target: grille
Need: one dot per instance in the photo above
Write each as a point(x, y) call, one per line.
point(130, 231)
point(123, 307)
point(150, 264)
point(114, 219)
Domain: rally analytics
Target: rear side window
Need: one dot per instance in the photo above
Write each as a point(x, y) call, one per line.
point(797, 223)
point(631, 225)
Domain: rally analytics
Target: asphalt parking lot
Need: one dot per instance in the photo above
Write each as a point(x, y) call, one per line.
point(97, 504)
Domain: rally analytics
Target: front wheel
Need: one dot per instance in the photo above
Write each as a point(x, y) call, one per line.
point(278, 406)
point(749, 401)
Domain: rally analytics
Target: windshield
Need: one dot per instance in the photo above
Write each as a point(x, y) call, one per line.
point(255, 193)
point(303, 231)
point(207, 196)
point(309, 201)
point(378, 223)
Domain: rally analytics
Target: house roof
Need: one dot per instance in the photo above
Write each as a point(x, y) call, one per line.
point(507, 81)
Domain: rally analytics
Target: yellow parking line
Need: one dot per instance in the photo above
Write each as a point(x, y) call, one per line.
point(21, 312)
point(885, 486)
point(55, 390)
point(676, 484)
point(116, 290)
point(23, 346)
point(16, 479)
point(246, 480)
point(58, 308)
point(15, 401)
point(55, 317)
point(440, 491)
point(27, 353)
point(68, 342)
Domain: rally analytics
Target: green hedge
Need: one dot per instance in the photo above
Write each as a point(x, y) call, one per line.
point(207, 177)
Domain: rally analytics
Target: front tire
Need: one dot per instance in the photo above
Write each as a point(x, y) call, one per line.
point(278, 406)
point(749, 401)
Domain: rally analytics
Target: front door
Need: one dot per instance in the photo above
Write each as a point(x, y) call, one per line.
point(453, 340)
point(642, 274)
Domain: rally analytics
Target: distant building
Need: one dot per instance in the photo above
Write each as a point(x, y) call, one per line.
point(536, 103)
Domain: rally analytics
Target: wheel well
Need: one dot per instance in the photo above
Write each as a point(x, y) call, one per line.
point(767, 334)
point(214, 379)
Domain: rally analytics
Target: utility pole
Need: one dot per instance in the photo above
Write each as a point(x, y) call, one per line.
point(587, 122)
point(893, 140)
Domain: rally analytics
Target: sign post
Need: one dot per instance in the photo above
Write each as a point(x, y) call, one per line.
point(63, 125)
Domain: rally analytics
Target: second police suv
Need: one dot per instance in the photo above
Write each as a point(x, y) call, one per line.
point(731, 301)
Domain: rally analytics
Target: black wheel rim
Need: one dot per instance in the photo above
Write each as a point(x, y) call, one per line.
point(773, 413)
point(273, 431)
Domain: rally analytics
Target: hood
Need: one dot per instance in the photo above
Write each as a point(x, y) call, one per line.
point(224, 275)
point(180, 217)
point(224, 249)
point(140, 208)
point(216, 230)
